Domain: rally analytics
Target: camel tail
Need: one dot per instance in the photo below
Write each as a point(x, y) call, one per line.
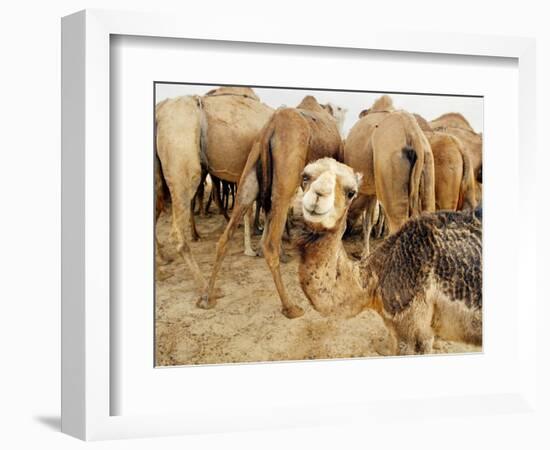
point(162, 193)
point(414, 179)
point(264, 167)
point(422, 176)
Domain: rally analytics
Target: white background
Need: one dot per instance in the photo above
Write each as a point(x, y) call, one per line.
point(428, 106)
point(30, 186)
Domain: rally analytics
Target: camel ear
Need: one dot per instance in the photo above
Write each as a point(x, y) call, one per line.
point(358, 178)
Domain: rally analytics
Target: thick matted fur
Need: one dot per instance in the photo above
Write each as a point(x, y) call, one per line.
point(425, 279)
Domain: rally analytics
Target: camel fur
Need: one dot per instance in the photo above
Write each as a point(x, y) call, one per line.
point(424, 280)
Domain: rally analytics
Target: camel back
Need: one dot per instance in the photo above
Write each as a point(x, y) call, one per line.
point(451, 120)
point(422, 123)
point(229, 126)
point(233, 90)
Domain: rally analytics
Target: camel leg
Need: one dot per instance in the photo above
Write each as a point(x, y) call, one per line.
point(245, 197)
point(258, 230)
point(380, 225)
point(162, 257)
point(209, 201)
point(283, 257)
point(271, 245)
point(248, 251)
point(413, 327)
point(225, 200)
point(218, 198)
point(193, 226)
point(181, 213)
point(367, 225)
point(200, 193)
point(233, 188)
point(182, 190)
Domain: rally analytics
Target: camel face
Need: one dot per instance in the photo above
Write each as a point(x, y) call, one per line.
point(329, 187)
point(337, 112)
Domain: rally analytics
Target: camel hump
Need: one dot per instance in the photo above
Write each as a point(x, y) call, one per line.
point(452, 120)
point(422, 123)
point(310, 103)
point(384, 103)
point(233, 90)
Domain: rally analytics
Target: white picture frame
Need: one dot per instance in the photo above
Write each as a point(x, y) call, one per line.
point(86, 383)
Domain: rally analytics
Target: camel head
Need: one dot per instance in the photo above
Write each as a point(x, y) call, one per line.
point(329, 188)
point(337, 112)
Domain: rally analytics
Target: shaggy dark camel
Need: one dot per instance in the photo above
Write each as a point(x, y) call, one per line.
point(423, 280)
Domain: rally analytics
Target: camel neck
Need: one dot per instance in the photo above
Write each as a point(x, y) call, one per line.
point(330, 280)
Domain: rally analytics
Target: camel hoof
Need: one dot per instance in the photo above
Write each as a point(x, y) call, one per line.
point(293, 312)
point(205, 303)
point(250, 253)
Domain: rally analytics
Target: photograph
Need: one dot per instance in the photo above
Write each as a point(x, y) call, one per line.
point(296, 223)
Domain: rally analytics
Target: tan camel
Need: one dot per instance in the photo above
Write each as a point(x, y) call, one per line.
point(455, 186)
point(390, 150)
point(292, 138)
point(456, 125)
point(215, 131)
point(424, 280)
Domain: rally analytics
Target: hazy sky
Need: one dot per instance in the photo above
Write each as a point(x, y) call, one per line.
point(428, 106)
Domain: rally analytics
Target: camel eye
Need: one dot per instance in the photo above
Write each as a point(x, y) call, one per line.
point(305, 178)
point(351, 193)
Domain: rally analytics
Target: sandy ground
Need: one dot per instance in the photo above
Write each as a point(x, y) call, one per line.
point(247, 325)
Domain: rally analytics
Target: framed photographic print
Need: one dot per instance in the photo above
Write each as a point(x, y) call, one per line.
point(247, 246)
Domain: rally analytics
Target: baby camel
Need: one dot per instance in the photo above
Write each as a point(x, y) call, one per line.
point(423, 280)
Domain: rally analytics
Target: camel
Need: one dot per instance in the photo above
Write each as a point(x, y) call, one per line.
point(292, 138)
point(424, 280)
point(338, 113)
point(215, 131)
point(456, 125)
point(391, 151)
point(368, 210)
point(455, 187)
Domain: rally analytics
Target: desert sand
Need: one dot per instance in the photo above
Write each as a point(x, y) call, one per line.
point(247, 324)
